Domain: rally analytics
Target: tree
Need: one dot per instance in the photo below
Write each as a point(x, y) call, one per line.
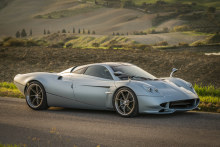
point(113, 33)
point(144, 4)
point(23, 33)
point(93, 32)
point(79, 31)
point(48, 32)
point(63, 31)
point(95, 44)
point(45, 32)
point(83, 31)
point(18, 35)
point(88, 31)
point(127, 3)
point(211, 9)
point(73, 30)
point(96, 2)
point(30, 34)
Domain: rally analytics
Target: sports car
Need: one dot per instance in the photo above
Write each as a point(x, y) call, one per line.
point(121, 87)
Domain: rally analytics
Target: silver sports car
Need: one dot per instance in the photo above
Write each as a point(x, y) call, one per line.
point(122, 87)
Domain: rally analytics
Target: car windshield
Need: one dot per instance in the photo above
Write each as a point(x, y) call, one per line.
point(133, 71)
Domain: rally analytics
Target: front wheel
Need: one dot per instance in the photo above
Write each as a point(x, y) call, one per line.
point(36, 96)
point(125, 102)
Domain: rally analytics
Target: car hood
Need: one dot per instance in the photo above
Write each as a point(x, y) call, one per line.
point(170, 90)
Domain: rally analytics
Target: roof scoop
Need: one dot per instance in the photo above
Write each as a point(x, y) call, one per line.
point(173, 71)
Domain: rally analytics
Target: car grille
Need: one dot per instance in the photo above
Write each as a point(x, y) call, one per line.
point(184, 104)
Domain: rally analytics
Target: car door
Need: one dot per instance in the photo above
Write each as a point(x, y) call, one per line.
point(61, 86)
point(93, 86)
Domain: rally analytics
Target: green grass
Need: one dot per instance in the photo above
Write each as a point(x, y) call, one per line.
point(104, 42)
point(207, 90)
point(209, 95)
point(11, 145)
point(9, 90)
point(194, 33)
point(204, 3)
point(8, 85)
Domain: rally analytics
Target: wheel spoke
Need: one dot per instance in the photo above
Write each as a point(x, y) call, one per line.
point(123, 95)
point(37, 89)
point(124, 109)
point(121, 105)
point(127, 96)
point(128, 107)
point(33, 90)
point(118, 99)
point(131, 101)
point(33, 100)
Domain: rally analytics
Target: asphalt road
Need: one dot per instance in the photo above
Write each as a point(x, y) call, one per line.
point(83, 128)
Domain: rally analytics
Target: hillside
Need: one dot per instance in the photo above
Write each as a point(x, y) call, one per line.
point(161, 23)
point(193, 67)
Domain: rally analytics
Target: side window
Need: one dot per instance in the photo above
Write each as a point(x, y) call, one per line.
point(98, 71)
point(80, 71)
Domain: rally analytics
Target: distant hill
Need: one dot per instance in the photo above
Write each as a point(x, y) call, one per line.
point(107, 17)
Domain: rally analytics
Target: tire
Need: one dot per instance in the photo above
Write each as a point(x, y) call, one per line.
point(35, 96)
point(125, 102)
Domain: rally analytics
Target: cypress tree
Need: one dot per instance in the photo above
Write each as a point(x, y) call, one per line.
point(83, 31)
point(18, 35)
point(45, 32)
point(93, 32)
point(23, 33)
point(88, 31)
point(79, 31)
point(30, 34)
point(63, 31)
point(48, 32)
point(73, 30)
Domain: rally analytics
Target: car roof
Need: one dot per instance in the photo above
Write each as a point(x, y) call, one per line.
point(112, 64)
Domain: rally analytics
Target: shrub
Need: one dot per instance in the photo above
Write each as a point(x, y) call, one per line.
point(69, 45)
point(58, 45)
point(31, 43)
point(6, 39)
point(183, 44)
point(181, 28)
point(211, 9)
point(95, 44)
point(14, 42)
point(165, 30)
point(162, 43)
point(142, 46)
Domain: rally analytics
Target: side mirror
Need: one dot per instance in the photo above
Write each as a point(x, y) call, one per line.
point(173, 71)
point(118, 73)
point(60, 78)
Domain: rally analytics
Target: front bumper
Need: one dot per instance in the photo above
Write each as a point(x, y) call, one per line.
point(161, 105)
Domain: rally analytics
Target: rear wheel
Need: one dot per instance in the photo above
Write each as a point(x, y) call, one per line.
point(125, 102)
point(36, 96)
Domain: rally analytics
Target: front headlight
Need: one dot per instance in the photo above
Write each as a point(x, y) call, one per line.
point(150, 89)
point(189, 85)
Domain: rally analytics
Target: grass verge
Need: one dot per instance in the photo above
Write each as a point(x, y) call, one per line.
point(11, 145)
point(209, 95)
